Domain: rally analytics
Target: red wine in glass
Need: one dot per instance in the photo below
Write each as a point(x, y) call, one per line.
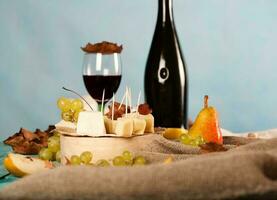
point(96, 84)
point(102, 72)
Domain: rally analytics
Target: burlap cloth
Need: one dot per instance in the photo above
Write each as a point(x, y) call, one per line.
point(248, 171)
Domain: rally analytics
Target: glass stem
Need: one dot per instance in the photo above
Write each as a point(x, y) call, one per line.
point(100, 106)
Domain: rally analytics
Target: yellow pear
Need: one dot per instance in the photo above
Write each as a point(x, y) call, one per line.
point(206, 124)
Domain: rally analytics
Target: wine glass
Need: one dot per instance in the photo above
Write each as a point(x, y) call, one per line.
point(102, 76)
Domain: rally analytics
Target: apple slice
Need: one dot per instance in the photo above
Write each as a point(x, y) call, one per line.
point(21, 165)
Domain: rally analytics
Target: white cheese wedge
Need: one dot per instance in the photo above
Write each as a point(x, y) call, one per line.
point(91, 124)
point(110, 125)
point(124, 127)
point(149, 123)
point(65, 126)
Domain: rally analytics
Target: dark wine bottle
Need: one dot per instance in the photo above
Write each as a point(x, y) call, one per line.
point(165, 79)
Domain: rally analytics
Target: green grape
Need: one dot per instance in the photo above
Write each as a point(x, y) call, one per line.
point(54, 145)
point(76, 115)
point(194, 142)
point(77, 105)
point(127, 155)
point(201, 140)
point(91, 164)
point(45, 154)
point(75, 160)
point(67, 116)
point(128, 161)
point(139, 160)
point(118, 161)
point(54, 137)
point(185, 139)
point(56, 134)
point(198, 141)
point(64, 104)
point(102, 163)
point(86, 157)
point(58, 156)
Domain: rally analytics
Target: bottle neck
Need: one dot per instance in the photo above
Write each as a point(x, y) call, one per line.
point(165, 11)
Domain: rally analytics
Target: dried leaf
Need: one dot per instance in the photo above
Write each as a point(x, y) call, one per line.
point(28, 135)
point(50, 129)
point(102, 47)
point(27, 148)
point(15, 139)
point(27, 142)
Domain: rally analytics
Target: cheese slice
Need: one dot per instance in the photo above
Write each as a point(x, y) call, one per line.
point(91, 124)
point(65, 126)
point(124, 127)
point(149, 119)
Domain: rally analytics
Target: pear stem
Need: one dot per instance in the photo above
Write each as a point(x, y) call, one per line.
point(206, 97)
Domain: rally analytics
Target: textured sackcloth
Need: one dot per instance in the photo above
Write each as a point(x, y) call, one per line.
point(248, 171)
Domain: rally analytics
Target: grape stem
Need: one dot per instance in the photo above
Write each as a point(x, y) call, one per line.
point(206, 97)
point(79, 96)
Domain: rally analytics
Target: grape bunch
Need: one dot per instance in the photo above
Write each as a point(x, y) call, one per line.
point(52, 152)
point(70, 109)
point(126, 159)
point(189, 140)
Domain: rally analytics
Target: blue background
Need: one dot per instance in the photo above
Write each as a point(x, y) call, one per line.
point(229, 47)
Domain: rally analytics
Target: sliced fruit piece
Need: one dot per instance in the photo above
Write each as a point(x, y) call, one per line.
point(20, 165)
point(12, 168)
point(174, 133)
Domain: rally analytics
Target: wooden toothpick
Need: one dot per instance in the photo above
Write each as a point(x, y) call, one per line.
point(138, 101)
point(102, 104)
point(122, 100)
point(113, 108)
point(126, 100)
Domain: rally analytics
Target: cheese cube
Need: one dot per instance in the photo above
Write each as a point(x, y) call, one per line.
point(138, 123)
point(110, 125)
point(149, 122)
point(91, 124)
point(124, 127)
point(139, 126)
